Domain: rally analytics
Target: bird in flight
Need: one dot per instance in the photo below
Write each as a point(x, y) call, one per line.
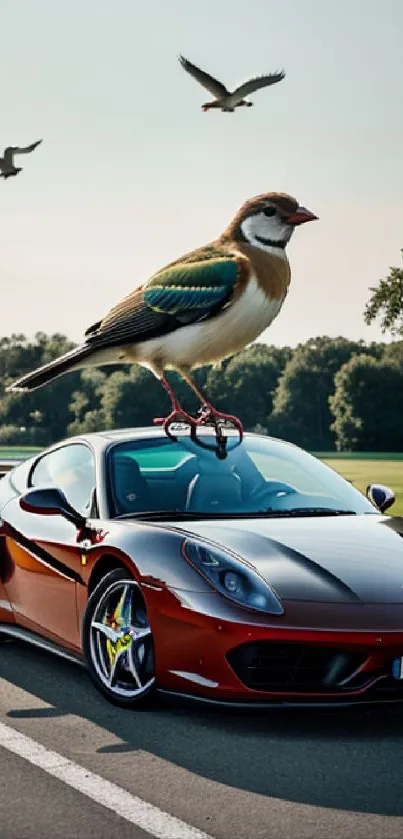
point(7, 168)
point(225, 99)
point(199, 309)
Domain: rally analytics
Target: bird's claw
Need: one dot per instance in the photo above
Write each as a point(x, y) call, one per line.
point(208, 416)
point(177, 415)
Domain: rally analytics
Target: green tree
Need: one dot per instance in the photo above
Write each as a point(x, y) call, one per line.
point(245, 384)
point(394, 352)
point(85, 403)
point(132, 398)
point(301, 410)
point(270, 388)
point(44, 412)
point(386, 302)
point(367, 405)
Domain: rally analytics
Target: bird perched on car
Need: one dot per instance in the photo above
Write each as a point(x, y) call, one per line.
point(225, 99)
point(199, 309)
point(7, 168)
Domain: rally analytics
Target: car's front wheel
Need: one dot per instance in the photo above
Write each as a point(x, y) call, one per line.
point(117, 641)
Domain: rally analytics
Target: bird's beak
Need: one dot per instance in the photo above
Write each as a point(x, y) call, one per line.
point(300, 216)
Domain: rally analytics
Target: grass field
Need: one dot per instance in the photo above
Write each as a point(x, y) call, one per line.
point(377, 468)
point(15, 452)
point(362, 468)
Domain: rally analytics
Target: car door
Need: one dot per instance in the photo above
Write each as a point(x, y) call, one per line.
point(43, 552)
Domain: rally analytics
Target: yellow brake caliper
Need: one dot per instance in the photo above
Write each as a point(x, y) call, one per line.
point(116, 621)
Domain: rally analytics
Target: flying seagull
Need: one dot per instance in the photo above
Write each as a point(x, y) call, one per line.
point(225, 99)
point(7, 168)
point(205, 306)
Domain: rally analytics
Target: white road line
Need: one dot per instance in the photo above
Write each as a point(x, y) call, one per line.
point(129, 807)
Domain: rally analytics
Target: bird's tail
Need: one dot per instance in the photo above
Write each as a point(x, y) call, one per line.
point(66, 363)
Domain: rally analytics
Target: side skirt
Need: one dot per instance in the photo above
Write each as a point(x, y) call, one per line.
point(37, 641)
point(253, 705)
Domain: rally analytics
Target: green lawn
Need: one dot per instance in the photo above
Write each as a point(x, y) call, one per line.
point(15, 452)
point(359, 455)
point(372, 468)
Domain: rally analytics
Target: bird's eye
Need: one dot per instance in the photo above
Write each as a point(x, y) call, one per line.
point(269, 211)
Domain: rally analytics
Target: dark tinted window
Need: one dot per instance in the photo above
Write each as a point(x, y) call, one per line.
point(72, 469)
point(261, 473)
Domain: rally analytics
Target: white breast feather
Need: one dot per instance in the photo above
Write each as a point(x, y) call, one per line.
point(211, 340)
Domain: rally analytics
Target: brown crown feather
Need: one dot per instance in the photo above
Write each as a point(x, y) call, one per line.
point(286, 205)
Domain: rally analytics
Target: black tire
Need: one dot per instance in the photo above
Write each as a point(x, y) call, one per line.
point(130, 681)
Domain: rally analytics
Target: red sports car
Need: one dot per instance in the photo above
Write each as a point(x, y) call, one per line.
point(258, 577)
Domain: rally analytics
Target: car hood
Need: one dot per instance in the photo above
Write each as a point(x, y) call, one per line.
point(345, 559)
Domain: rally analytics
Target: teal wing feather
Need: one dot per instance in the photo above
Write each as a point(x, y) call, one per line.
point(191, 289)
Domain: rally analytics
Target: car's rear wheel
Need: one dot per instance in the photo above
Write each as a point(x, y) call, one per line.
point(117, 641)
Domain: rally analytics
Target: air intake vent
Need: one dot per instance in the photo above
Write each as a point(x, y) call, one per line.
point(278, 666)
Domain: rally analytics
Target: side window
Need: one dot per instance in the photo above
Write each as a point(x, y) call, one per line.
point(72, 469)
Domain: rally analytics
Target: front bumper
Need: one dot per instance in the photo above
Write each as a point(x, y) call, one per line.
point(209, 650)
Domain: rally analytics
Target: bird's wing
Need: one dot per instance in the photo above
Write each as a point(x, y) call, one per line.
point(21, 149)
point(261, 81)
point(8, 157)
point(189, 290)
point(211, 84)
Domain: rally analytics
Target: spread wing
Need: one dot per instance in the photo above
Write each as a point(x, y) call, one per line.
point(259, 82)
point(212, 85)
point(10, 151)
point(8, 156)
point(189, 290)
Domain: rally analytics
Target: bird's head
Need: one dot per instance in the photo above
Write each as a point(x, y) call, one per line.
point(268, 221)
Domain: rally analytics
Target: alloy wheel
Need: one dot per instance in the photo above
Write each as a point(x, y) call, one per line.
point(120, 643)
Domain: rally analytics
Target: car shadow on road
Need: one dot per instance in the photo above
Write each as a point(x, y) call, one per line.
point(348, 759)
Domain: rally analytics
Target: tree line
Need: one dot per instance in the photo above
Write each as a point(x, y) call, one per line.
point(327, 393)
point(324, 394)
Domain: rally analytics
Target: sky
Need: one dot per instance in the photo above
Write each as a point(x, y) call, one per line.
point(132, 174)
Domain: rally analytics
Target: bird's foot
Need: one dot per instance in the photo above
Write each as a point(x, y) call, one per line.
point(209, 416)
point(177, 415)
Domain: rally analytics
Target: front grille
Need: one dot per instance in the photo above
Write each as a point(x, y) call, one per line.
point(289, 667)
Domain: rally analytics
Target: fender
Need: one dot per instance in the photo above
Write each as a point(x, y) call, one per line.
point(6, 612)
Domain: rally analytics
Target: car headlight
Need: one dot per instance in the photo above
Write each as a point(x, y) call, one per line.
point(231, 577)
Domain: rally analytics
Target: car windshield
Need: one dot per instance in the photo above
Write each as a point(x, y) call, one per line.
point(261, 476)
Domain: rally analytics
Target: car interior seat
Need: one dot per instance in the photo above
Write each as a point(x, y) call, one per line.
point(214, 489)
point(131, 490)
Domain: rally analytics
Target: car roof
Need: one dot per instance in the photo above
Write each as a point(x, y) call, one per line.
point(115, 435)
point(105, 437)
point(126, 433)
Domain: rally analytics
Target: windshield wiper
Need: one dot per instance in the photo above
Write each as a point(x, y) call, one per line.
point(177, 515)
point(306, 511)
point(171, 514)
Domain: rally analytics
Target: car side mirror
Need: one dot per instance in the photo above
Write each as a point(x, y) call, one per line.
point(381, 497)
point(50, 501)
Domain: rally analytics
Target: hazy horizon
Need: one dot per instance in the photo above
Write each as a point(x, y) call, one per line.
point(131, 174)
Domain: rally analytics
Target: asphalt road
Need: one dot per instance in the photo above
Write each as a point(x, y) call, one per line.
point(285, 774)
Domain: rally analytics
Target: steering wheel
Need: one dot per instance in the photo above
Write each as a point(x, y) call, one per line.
point(265, 493)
